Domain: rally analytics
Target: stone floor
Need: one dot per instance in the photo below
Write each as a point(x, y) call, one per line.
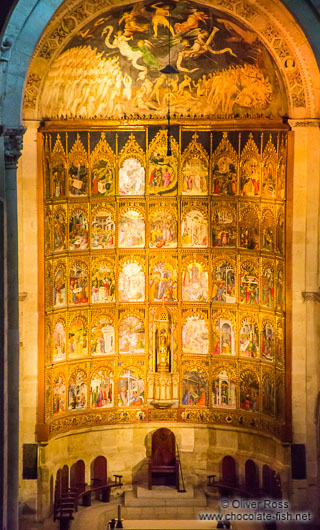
point(96, 517)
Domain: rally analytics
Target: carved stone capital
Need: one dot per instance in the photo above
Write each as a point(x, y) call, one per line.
point(307, 122)
point(13, 143)
point(311, 296)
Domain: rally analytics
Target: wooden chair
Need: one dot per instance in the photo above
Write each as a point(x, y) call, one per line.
point(164, 463)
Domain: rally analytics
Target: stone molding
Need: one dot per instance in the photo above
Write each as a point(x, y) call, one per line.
point(311, 296)
point(308, 122)
point(13, 144)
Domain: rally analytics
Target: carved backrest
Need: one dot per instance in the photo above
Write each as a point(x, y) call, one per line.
point(99, 471)
point(163, 448)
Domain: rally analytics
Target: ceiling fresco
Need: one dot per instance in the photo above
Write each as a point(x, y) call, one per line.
point(113, 65)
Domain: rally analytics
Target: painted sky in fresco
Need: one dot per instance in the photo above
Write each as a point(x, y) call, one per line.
point(112, 66)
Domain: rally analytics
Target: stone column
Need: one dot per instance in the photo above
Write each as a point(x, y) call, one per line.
point(12, 151)
point(305, 306)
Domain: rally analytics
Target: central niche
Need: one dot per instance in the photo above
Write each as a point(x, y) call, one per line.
point(165, 275)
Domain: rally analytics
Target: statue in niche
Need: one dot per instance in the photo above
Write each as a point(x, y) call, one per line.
point(163, 352)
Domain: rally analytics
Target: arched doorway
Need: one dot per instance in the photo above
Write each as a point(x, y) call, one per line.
point(251, 477)
point(99, 471)
point(229, 472)
point(65, 479)
point(163, 463)
point(77, 476)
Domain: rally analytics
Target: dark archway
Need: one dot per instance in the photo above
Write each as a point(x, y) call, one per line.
point(65, 479)
point(77, 476)
point(99, 471)
point(229, 472)
point(251, 477)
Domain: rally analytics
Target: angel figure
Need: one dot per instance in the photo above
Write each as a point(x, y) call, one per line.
point(160, 18)
point(192, 21)
point(131, 26)
point(202, 44)
point(120, 41)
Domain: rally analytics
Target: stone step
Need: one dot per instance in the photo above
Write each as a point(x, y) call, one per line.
point(163, 492)
point(161, 513)
point(198, 500)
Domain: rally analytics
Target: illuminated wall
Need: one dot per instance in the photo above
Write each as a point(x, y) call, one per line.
point(133, 239)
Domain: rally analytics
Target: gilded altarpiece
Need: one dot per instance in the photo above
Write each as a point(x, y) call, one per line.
point(165, 275)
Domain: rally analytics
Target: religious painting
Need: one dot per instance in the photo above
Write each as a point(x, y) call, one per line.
point(268, 341)
point(249, 228)
point(131, 228)
point(102, 335)
point(78, 284)
point(224, 226)
point(47, 341)
point(131, 281)
point(269, 170)
point(131, 177)
point(279, 398)
point(231, 74)
point(224, 336)
point(163, 280)
point(132, 174)
point(78, 230)
point(194, 229)
point(249, 338)
point(131, 335)
point(224, 391)
point(78, 170)
point(195, 334)
point(268, 397)
point(280, 232)
point(47, 228)
point(78, 336)
point(249, 283)
point(163, 167)
point(267, 285)
point(194, 389)
point(102, 169)
point(250, 169)
point(59, 395)
point(101, 389)
point(280, 286)
point(280, 351)
point(195, 169)
point(77, 391)
point(281, 170)
point(194, 281)
point(58, 179)
point(48, 284)
point(267, 230)
point(163, 227)
point(249, 391)
point(59, 285)
point(59, 340)
point(102, 227)
point(102, 282)
point(59, 230)
point(58, 170)
point(224, 282)
point(46, 167)
point(130, 389)
point(224, 169)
